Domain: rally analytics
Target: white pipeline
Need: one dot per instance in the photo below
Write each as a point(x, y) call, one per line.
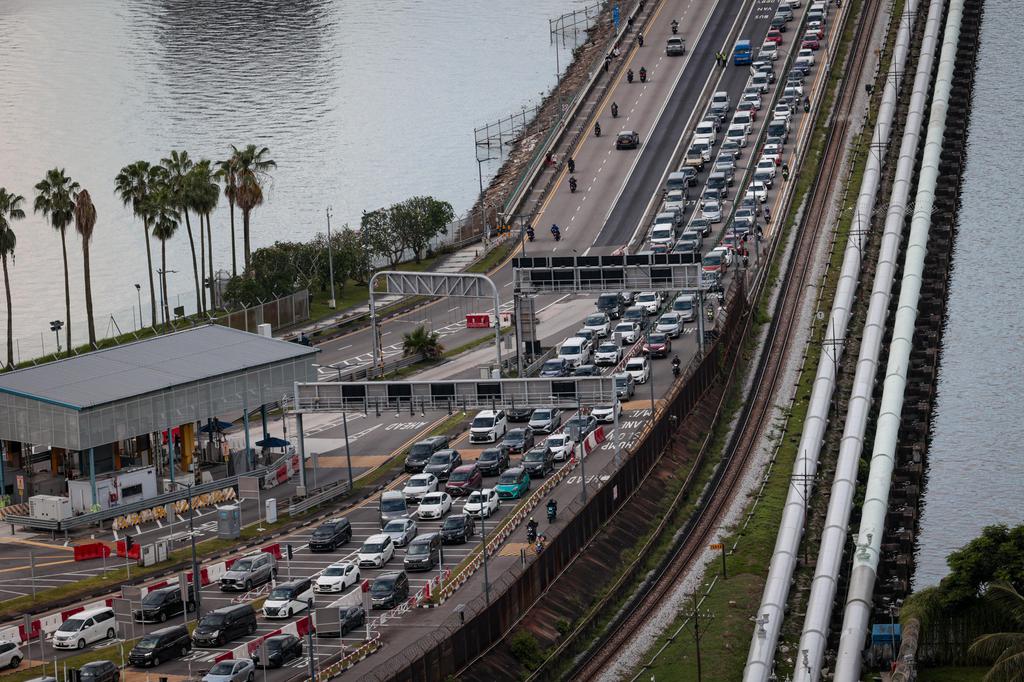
point(837, 520)
point(876, 498)
point(760, 659)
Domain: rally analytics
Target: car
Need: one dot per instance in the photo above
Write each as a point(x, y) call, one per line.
point(458, 528)
point(279, 650)
point(715, 194)
point(288, 598)
point(816, 28)
point(519, 440)
point(597, 323)
point(732, 242)
point(685, 307)
point(337, 577)
point(85, 627)
point(767, 165)
point(419, 485)
point(793, 4)
point(662, 234)
point(745, 219)
point(711, 211)
point(751, 104)
point(702, 225)
point(575, 350)
point(482, 503)
point(492, 461)
point(11, 656)
point(393, 504)
point(423, 553)
point(421, 451)
point(769, 50)
point(657, 346)
point(538, 462)
point(547, 419)
point(330, 535)
point(626, 332)
point(442, 463)
point(376, 551)
point(805, 56)
point(675, 200)
point(707, 132)
point(670, 324)
point(720, 101)
point(401, 531)
point(719, 182)
point(649, 301)
point(764, 66)
point(587, 334)
point(560, 445)
point(232, 670)
point(687, 175)
point(155, 647)
point(434, 506)
point(518, 414)
point(581, 423)
point(99, 671)
point(726, 165)
point(793, 91)
point(687, 246)
point(249, 571)
point(158, 605)
point(778, 127)
point(222, 625)
point(513, 483)
point(464, 479)
point(774, 35)
point(555, 367)
point(782, 110)
point(639, 368)
point(606, 413)
point(608, 354)
point(636, 314)
point(745, 118)
point(627, 139)
point(779, 22)
point(774, 152)
point(488, 426)
point(349, 617)
point(625, 385)
point(758, 191)
point(610, 303)
point(389, 589)
point(786, 11)
point(732, 147)
point(694, 158)
point(587, 371)
point(704, 147)
point(810, 42)
point(737, 133)
point(675, 46)
point(761, 82)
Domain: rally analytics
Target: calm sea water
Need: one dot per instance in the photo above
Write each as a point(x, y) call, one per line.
point(361, 104)
point(976, 467)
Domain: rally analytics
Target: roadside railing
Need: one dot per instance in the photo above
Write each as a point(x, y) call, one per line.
point(328, 492)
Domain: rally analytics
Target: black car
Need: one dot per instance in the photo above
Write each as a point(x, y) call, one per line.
point(389, 589)
point(555, 367)
point(610, 303)
point(457, 528)
point(421, 451)
point(442, 463)
point(493, 461)
point(161, 604)
point(330, 535)
point(587, 371)
point(519, 440)
point(351, 617)
point(627, 139)
point(99, 671)
point(539, 462)
point(221, 626)
point(585, 423)
point(519, 414)
point(280, 649)
point(161, 645)
point(691, 175)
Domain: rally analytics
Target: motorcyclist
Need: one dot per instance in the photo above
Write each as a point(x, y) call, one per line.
point(531, 528)
point(643, 75)
point(555, 232)
point(675, 26)
point(597, 129)
point(629, 75)
point(552, 510)
point(572, 184)
point(572, 166)
point(640, 39)
point(529, 232)
point(675, 360)
point(807, 103)
point(615, 110)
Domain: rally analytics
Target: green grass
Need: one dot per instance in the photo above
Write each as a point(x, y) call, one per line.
point(349, 296)
point(494, 257)
point(972, 674)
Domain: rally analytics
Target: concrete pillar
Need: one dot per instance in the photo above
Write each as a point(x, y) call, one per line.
point(92, 474)
point(188, 437)
point(55, 456)
point(302, 451)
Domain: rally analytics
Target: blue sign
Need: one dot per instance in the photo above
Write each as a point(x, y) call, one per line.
point(615, 16)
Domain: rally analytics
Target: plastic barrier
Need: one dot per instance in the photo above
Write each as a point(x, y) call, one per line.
point(482, 321)
point(133, 553)
point(274, 549)
point(93, 550)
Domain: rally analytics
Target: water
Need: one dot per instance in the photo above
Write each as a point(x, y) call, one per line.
point(361, 104)
point(975, 468)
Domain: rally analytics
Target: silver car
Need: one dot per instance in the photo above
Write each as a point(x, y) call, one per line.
point(401, 531)
point(249, 571)
point(545, 420)
point(232, 670)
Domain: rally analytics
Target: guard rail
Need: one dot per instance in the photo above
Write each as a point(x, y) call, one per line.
point(326, 493)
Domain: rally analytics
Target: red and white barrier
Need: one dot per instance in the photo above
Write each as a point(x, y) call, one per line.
point(299, 628)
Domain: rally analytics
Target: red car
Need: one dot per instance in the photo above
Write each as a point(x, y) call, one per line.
point(657, 345)
point(810, 41)
point(775, 36)
point(464, 480)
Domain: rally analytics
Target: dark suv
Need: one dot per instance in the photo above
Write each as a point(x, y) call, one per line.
point(539, 462)
point(519, 440)
point(159, 605)
point(457, 528)
point(99, 671)
point(389, 589)
point(611, 305)
point(420, 452)
point(161, 645)
point(442, 463)
point(493, 461)
point(330, 535)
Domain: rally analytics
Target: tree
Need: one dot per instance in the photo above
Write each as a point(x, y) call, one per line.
point(10, 210)
point(419, 219)
point(1006, 649)
point(55, 199)
point(227, 173)
point(380, 237)
point(85, 222)
point(133, 185)
point(205, 194)
point(420, 341)
point(252, 173)
point(352, 260)
point(163, 217)
point(997, 555)
point(178, 166)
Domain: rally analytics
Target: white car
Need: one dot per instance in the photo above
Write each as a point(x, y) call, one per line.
point(670, 324)
point(376, 551)
point(711, 211)
point(434, 506)
point(649, 300)
point(773, 151)
point(482, 503)
point(705, 132)
point(745, 118)
point(675, 200)
point(575, 350)
point(338, 576)
point(761, 82)
point(608, 354)
point(488, 426)
point(626, 332)
point(757, 191)
point(599, 324)
point(561, 446)
point(639, 368)
point(805, 56)
point(662, 234)
point(10, 655)
point(737, 132)
point(769, 51)
point(766, 165)
point(419, 485)
point(753, 99)
point(783, 110)
point(606, 413)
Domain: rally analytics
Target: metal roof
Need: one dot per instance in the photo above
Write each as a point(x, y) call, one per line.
point(148, 366)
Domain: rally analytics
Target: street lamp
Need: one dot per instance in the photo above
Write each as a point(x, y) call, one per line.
point(576, 434)
point(138, 291)
point(195, 561)
point(55, 327)
point(163, 288)
point(330, 261)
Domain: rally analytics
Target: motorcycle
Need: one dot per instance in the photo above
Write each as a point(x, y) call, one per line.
point(597, 130)
point(640, 39)
point(676, 371)
point(615, 110)
point(529, 234)
point(552, 511)
point(675, 27)
point(531, 531)
point(629, 75)
point(556, 233)
point(643, 75)
point(807, 104)
point(572, 166)
point(572, 185)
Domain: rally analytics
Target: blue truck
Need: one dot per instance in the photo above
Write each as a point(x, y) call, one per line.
point(742, 53)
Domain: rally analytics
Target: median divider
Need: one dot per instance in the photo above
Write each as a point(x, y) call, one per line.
point(93, 550)
point(352, 658)
point(300, 628)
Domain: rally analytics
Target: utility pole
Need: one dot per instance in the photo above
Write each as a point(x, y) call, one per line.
point(330, 261)
point(699, 630)
point(195, 562)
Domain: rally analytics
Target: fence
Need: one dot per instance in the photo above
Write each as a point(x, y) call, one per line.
point(280, 312)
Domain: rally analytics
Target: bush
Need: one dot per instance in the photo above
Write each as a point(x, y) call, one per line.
point(526, 649)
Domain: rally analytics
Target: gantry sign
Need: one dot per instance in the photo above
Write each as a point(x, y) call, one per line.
point(628, 272)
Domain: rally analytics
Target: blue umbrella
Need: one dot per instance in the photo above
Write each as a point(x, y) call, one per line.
point(216, 426)
point(272, 442)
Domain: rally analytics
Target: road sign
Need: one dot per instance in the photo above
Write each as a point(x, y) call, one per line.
point(21, 484)
point(717, 545)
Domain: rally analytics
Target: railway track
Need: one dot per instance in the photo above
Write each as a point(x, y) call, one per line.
point(758, 408)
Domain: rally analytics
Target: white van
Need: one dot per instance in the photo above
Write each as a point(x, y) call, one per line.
point(575, 350)
point(288, 598)
point(85, 628)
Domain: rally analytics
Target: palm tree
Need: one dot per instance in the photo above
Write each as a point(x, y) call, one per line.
point(10, 210)
point(178, 166)
point(163, 217)
point(252, 168)
point(226, 173)
point(55, 199)
point(205, 197)
point(133, 185)
point(1005, 648)
point(85, 221)
point(420, 341)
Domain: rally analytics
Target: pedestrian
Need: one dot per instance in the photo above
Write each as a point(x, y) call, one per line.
point(629, 23)
point(549, 159)
point(607, 61)
point(746, 260)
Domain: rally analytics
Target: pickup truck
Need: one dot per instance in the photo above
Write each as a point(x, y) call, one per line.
point(675, 47)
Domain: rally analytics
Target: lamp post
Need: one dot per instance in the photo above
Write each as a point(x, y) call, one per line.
point(163, 289)
point(195, 562)
point(138, 292)
point(576, 435)
point(55, 327)
point(330, 261)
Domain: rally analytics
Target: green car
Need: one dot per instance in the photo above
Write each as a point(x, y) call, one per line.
point(513, 483)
